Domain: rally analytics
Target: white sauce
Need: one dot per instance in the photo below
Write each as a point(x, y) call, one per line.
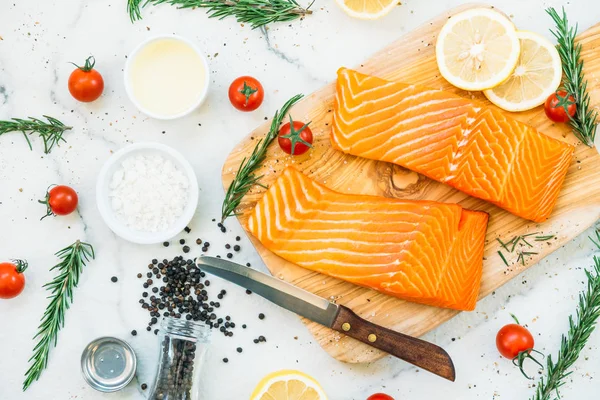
point(167, 77)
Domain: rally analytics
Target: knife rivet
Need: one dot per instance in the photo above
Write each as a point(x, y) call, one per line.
point(346, 326)
point(372, 338)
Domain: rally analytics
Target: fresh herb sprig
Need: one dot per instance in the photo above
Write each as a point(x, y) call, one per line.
point(51, 131)
point(580, 329)
point(584, 122)
point(257, 13)
point(246, 176)
point(72, 260)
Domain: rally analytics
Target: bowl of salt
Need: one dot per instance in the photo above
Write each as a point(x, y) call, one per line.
point(147, 193)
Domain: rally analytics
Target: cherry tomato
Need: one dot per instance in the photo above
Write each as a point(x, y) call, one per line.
point(380, 396)
point(246, 93)
point(513, 339)
point(60, 200)
point(85, 83)
point(12, 280)
point(516, 342)
point(559, 107)
point(295, 137)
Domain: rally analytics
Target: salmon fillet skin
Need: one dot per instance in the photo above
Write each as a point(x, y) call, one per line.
point(465, 144)
point(420, 251)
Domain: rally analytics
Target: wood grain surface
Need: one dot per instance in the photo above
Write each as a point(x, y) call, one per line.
point(412, 59)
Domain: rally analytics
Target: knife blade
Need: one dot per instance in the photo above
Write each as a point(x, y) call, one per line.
point(340, 318)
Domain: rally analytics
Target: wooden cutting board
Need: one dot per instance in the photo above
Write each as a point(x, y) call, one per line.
point(412, 59)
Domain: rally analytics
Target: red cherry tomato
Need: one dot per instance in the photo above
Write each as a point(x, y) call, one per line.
point(380, 396)
point(295, 137)
point(516, 342)
point(60, 200)
point(559, 107)
point(246, 93)
point(513, 339)
point(85, 83)
point(12, 280)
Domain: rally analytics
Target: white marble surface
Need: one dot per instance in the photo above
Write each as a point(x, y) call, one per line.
point(40, 38)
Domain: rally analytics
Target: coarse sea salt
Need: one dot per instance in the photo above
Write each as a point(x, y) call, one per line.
point(148, 193)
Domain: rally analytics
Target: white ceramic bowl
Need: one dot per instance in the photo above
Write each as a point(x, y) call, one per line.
point(104, 203)
point(129, 89)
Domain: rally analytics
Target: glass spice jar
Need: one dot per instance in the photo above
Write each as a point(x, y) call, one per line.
point(183, 346)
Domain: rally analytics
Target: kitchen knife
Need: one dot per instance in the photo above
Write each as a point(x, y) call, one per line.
point(415, 351)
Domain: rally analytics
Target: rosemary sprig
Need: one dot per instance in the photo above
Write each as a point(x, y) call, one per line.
point(580, 329)
point(246, 176)
point(257, 13)
point(51, 131)
point(72, 260)
point(584, 121)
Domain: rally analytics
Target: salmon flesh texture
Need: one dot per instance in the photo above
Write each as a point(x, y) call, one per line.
point(421, 251)
point(465, 144)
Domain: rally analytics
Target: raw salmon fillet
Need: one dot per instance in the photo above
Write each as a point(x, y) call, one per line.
point(465, 144)
point(421, 251)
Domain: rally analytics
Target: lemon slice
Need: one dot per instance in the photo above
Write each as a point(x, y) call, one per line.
point(367, 9)
point(537, 76)
point(477, 49)
point(288, 384)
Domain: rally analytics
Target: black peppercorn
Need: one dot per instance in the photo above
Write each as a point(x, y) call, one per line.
point(134, 332)
point(239, 349)
point(261, 316)
point(229, 255)
point(144, 386)
point(236, 248)
point(187, 229)
point(181, 241)
point(186, 249)
point(166, 244)
point(225, 360)
point(114, 279)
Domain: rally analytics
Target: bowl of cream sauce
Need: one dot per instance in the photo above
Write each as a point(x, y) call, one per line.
point(167, 77)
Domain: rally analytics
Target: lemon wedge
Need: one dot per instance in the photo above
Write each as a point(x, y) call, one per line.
point(288, 384)
point(537, 76)
point(477, 49)
point(367, 9)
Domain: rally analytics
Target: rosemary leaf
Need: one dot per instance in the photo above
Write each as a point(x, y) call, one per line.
point(257, 13)
point(51, 131)
point(580, 328)
point(246, 176)
point(584, 122)
point(544, 238)
point(503, 258)
point(72, 260)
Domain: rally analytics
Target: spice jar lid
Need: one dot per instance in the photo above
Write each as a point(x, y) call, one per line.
point(108, 364)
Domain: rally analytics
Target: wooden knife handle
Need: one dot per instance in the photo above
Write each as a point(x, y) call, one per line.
point(415, 351)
